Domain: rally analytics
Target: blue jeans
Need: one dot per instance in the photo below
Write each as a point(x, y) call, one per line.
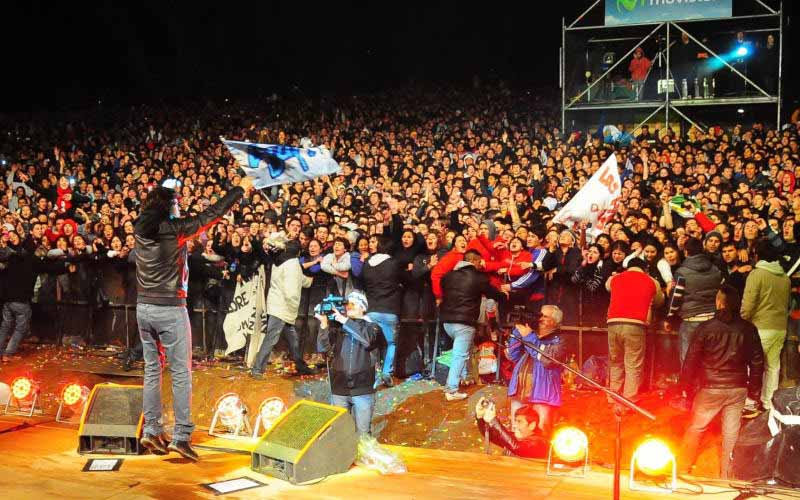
point(462, 336)
point(168, 326)
point(685, 334)
point(19, 315)
point(388, 324)
point(276, 327)
point(361, 407)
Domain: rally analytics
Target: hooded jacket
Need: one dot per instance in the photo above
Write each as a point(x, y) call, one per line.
point(462, 289)
point(286, 284)
point(766, 296)
point(703, 280)
point(383, 284)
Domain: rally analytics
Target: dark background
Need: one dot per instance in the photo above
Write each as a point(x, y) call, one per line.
point(71, 54)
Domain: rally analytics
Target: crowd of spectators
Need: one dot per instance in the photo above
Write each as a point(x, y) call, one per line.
point(436, 173)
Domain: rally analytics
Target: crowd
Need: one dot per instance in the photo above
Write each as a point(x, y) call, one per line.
point(427, 177)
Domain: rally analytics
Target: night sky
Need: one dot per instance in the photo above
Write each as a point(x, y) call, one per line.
point(70, 54)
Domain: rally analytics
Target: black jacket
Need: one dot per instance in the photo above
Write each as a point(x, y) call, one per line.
point(22, 268)
point(725, 355)
point(535, 446)
point(161, 269)
point(383, 284)
point(352, 370)
point(462, 289)
point(703, 279)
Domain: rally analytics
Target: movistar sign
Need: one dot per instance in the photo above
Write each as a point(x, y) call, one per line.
point(653, 11)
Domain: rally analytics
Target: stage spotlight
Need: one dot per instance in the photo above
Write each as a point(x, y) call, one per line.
point(24, 395)
point(653, 458)
point(73, 396)
point(231, 413)
point(569, 451)
point(740, 111)
point(22, 387)
point(268, 412)
point(742, 51)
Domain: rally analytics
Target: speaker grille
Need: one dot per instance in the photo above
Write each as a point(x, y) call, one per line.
point(299, 426)
point(115, 406)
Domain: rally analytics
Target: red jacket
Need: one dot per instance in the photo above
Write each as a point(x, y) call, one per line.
point(632, 293)
point(638, 68)
point(446, 264)
point(63, 205)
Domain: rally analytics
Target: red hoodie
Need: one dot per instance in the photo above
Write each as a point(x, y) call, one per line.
point(63, 205)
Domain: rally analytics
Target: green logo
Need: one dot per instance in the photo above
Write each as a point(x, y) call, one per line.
point(628, 5)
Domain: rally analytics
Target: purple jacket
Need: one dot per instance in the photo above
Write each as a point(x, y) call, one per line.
point(546, 375)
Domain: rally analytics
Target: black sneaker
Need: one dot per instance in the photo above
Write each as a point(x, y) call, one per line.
point(184, 449)
point(127, 362)
point(305, 370)
point(387, 380)
point(154, 444)
point(256, 375)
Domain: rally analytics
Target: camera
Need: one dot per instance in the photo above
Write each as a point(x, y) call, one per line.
point(519, 315)
point(330, 305)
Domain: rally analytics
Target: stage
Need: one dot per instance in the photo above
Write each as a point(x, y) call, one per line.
point(40, 460)
point(438, 440)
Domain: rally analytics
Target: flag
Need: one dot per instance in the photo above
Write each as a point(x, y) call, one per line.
point(597, 201)
point(628, 172)
point(678, 205)
point(271, 165)
point(543, 157)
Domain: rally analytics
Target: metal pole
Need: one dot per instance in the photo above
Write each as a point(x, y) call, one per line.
point(576, 98)
point(584, 13)
point(666, 111)
point(618, 452)
point(770, 9)
point(648, 117)
point(678, 111)
point(780, 67)
point(704, 20)
point(563, 77)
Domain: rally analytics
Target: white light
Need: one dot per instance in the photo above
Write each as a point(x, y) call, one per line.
point(740, 111)
point(231, 410)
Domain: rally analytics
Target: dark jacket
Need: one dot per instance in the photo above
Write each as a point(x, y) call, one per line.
point(383, 284)
point(534, 446)
point(703, 279)
point(22, 268)
point(462, 289)
point(725, 355)
point(161, 267)
point(352, 370)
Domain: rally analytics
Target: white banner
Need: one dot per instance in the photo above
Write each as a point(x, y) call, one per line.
point(271, 165)
point(244, 314)
point(596, 203)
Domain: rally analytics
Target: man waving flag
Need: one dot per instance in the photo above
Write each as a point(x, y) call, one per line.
point(596, 202)
point(270, 164)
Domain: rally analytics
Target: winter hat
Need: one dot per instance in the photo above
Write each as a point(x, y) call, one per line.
point(715, 234)
point(358, 298)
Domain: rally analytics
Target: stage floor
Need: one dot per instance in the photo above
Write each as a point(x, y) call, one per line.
point(40, 461)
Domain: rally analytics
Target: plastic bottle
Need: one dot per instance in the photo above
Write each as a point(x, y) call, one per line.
point(713, 87)
point(696, 88)
point(684, 89)
point(705, 88)
point(568, 378)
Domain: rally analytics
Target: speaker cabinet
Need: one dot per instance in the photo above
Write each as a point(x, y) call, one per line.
point(310, 441)
point(112, 420)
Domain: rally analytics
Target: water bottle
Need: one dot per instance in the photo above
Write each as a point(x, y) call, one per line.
point(684, 89)
point(705, 88)
point(713, 87)
point(696, 88)
point(233, 266)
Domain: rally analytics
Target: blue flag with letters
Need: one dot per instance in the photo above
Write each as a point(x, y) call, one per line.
point(271, 164)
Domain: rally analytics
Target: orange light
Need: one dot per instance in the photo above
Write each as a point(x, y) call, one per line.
point(570, 444)
point(22, 387)
point(73, 394)
point(653, 457)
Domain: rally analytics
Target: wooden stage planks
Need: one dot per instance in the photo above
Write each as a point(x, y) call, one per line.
point(41, 461)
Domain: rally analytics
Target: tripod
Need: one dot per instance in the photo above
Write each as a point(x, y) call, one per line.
point(618, 410)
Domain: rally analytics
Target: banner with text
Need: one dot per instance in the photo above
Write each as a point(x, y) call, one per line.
point(655, 11)
point(596, 202)
point(271, 164)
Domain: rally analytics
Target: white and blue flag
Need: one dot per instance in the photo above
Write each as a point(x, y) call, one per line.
point(271, 164)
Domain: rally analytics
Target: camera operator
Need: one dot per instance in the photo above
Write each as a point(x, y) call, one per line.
point(354, 349)
point(524, 439)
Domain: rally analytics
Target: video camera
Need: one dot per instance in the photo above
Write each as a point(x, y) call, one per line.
point(519, 315)
point(330, 305)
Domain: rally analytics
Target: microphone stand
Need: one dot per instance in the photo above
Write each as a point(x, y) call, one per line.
point(621, 400)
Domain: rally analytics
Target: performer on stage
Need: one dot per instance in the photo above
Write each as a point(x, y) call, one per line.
point(162, 280)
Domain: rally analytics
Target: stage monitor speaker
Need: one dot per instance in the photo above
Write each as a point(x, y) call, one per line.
point(760, 456)
point(308, 442)
point(112, 420)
